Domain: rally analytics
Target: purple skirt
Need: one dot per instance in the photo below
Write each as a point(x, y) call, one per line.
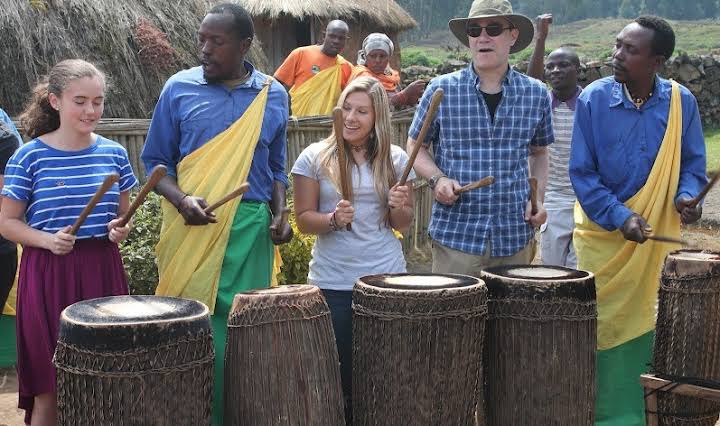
point(47, 284)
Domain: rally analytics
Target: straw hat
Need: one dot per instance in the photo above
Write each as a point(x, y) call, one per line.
point(492, 9)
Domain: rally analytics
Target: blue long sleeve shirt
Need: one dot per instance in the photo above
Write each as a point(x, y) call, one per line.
point(614, 145)
point(191, 111)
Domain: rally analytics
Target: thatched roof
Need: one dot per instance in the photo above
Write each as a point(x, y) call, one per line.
point(383, 13)
point(36, 34)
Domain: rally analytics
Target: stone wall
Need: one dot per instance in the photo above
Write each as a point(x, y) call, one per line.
point(700, 74)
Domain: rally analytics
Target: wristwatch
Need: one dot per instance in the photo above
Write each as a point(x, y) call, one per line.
point(434, 179)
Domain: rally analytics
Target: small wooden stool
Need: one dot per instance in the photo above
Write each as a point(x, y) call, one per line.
point(653, 384)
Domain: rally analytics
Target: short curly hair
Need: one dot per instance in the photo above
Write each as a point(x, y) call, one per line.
point(242, 21)
point(663, 42)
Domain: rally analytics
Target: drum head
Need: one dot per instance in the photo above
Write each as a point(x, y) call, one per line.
point(120, 323)
point(696, 255)
point(537, 272)
point(419, 281)
point(120, 310)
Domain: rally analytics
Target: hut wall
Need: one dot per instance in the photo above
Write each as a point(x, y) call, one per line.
point(277, 38)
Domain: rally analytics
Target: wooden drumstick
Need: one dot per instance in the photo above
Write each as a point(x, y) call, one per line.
point(429, 117)
point(488, 180)
point(650, 235)
point(344, 178)
point(694, 202)
point(533, 195)
point(158, 173)
point(243, 188)
point(109, 181)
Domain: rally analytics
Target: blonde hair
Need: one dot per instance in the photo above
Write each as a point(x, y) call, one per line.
point(379, 143)
point(39, 116)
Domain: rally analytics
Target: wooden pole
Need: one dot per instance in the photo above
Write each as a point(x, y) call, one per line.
point(158, 173)
point(109, 181)
point(429, 117)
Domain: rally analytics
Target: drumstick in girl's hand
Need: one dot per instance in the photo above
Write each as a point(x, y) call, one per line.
point(158, 173)
point(243, 188)
point(345, 180)
point(488, 180)
point(533, 195)
point(429, 117)
point(109, 181)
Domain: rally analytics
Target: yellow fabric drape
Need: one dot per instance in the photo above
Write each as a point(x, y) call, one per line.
point(190, 257)
point(627, 273)
point(319, 95)
point(9, 308)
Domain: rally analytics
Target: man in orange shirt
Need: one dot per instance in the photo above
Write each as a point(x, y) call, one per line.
point(315, 75)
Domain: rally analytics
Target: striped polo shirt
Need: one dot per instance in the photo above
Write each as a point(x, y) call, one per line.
point(56, 185)
point(559, 193)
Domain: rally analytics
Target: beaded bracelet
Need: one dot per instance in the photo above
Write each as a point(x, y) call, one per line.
point(333, 223)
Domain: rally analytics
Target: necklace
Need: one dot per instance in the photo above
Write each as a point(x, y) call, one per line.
point(358, 148)
point(638, 101)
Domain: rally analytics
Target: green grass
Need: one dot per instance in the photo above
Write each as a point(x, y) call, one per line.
point(712, 145)
point(593, 39)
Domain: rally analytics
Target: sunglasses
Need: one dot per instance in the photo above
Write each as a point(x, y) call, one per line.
point(492, 30)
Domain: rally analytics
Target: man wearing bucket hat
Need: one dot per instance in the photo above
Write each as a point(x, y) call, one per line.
point(492, 121)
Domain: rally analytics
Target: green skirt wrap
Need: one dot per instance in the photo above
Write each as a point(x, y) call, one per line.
point(619, 398)
point(247, 265)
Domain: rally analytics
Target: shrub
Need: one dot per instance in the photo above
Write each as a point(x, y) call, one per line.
point(418, 57)
point(296, 256)
point(138, 251)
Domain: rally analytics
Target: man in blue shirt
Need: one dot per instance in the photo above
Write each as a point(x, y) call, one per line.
point(637, 159)
point(493, 121)
point(196, 111)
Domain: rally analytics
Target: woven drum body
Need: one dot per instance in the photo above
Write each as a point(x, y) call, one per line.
point(687, 336)
point(417, 347)
point(134, 360)
point(281, 362)
point(540, 346)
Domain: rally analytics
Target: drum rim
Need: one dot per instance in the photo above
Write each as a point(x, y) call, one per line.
point(674, 255)
point(491, 272)
point(205, 312)
point(460, 277)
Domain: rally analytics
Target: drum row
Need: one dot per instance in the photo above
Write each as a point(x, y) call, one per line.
point(514, 346)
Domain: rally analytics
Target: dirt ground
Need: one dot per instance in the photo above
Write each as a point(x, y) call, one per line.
point(704, 235)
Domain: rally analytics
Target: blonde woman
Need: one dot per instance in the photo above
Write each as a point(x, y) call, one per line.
point(376, 206)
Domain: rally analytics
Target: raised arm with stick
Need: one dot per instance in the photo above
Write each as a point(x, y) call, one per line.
point(345, 180)
point(109, 181)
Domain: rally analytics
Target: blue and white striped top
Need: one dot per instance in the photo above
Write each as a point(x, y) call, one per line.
point(56, 185)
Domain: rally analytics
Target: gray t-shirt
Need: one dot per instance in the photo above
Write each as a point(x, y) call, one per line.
point(339, 258)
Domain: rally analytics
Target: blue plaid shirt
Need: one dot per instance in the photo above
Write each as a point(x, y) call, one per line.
point(469, 146)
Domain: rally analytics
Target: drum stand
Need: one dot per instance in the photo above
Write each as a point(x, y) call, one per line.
point(652, 384)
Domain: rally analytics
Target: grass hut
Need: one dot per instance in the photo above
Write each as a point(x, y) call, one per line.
point(137, 43)
point(283, 25)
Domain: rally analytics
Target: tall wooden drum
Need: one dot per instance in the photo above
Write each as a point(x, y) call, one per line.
point(134, 360)
point(417, 347)
point(540, 347)
point(687, 335)
point(281, 362)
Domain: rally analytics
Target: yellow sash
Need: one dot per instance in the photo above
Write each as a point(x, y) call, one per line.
point(190, 257)
point(627, 273)
point(9, 308)
point(319, 95)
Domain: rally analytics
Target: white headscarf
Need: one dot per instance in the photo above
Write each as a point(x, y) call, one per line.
point(375, 41)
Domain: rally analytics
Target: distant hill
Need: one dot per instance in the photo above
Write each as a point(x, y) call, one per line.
point(591, 38)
